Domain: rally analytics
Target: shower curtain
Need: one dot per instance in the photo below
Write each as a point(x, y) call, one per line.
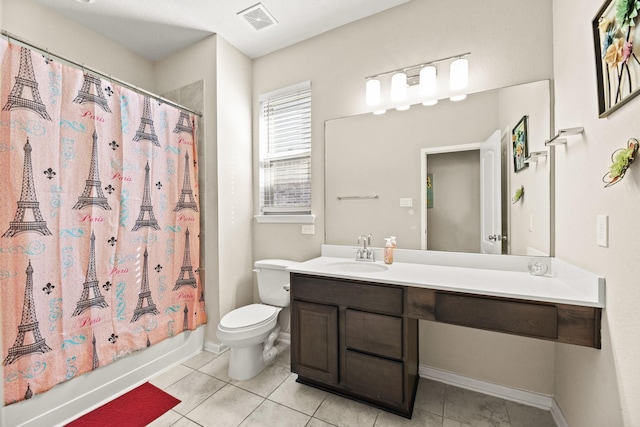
point(99, 222)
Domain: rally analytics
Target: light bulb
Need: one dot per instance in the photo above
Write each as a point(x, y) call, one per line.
point(459, 74)
point(373, 92)
point(398, 87)
point(428, 80)
point(430, 102)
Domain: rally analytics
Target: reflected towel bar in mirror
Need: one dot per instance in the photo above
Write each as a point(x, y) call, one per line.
point(375, 196)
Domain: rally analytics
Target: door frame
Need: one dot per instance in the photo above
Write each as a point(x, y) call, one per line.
point(424, 152)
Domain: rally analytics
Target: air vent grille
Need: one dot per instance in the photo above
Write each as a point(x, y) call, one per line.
point(258, 17)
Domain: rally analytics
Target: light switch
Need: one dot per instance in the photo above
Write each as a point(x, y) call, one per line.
point(602, 230)
point(308, 229)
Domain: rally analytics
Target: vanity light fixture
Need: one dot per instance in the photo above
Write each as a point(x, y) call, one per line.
point(417, 84)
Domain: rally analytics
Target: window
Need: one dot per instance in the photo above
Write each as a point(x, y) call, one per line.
point(285, 153)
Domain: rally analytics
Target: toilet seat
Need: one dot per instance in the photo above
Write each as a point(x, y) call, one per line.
point(249, 316)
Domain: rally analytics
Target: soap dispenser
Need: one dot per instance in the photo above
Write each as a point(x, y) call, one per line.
point(388, 251)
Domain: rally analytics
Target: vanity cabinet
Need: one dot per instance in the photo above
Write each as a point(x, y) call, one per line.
point(355, 338)
point(570, 324)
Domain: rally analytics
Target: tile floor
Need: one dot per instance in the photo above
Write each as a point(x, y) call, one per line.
point(274, 399)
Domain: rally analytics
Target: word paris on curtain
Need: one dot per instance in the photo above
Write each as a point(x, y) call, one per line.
point(99, 224)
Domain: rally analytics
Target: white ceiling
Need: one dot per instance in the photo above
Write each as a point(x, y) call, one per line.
point(157, 28)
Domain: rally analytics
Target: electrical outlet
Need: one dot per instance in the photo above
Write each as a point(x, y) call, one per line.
point(602, 230)
point(406, 202)
point(308, 229)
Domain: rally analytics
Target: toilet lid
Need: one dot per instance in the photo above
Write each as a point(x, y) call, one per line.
point(249, 315)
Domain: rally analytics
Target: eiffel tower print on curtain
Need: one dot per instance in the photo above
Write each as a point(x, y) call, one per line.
point(146, 121)
point(28, 324)
point(186, 267)
point(28, 202)
point(96, 361)
point(184, 124)
point(91, 283)
point(186, 201)
point(145, 302)
point(146, 207)
point(97, 97)
point(92, 194)
point(26, 78)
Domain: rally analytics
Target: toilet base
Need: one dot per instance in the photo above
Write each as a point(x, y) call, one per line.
point(247, 362)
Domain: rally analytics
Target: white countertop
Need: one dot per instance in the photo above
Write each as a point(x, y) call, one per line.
point(564, 284)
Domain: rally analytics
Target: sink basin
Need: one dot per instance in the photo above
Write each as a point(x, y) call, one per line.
point(357, 267)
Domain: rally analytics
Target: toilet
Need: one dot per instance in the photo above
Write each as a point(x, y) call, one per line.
point(251, 331)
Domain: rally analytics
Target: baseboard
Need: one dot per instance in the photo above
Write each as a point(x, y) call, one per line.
point(80, 395)
point(530, 398)
point(285, 337)
point(214, 347)
point(557, 415)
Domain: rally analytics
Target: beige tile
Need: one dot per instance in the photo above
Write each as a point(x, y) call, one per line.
point(430, 396)
point(420, 418)
point(200, 359)
point(265, 382)
point(167, 419)
point(193, 390)
point(474, 408)
point(271, 414)
point(226, 408)
point(284, 355)
point(528, 416)
point(218, 367)
point(314, 422)
point(345, 412)
point(298, 396)
point(447, 422)
point(171, 376)
point(185, 422)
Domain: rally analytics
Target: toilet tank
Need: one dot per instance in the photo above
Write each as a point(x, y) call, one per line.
point(272, 276)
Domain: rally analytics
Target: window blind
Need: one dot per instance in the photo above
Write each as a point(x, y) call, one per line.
point(285, 151)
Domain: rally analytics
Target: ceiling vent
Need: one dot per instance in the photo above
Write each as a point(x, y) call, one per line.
point(258, 17)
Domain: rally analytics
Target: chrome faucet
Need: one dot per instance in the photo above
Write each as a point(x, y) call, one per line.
point(365, 253)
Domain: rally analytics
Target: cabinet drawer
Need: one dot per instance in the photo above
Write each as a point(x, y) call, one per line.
point(535, 320)
point(358, 295)
point(375, 378)
point(374, 333)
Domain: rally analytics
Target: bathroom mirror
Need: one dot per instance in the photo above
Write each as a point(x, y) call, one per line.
point(377, 168)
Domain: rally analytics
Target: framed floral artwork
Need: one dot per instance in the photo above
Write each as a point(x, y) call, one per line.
point(520, 149)
point(617, 66)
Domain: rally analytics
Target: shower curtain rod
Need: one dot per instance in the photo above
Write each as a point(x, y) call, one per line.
point(43, 51)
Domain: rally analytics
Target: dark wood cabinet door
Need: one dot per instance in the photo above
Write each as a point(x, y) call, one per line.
point(314, 341)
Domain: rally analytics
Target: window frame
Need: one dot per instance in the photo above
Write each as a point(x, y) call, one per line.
point(301, 215)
